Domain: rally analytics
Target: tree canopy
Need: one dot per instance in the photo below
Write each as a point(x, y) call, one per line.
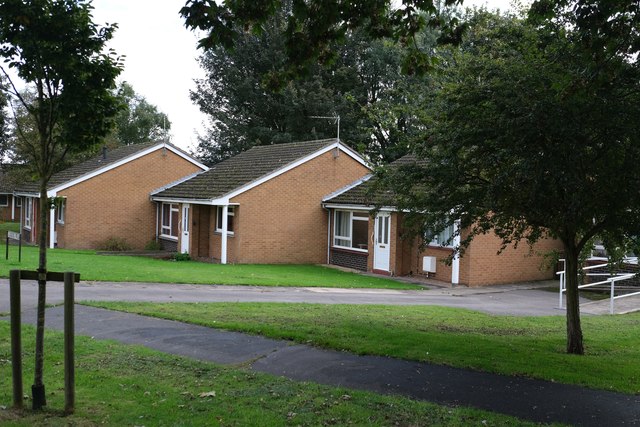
point(138, 121)
point(363, 86)
point(522, 142)
point(313, 25)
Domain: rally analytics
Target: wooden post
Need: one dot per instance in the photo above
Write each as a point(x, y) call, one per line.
point(16, 337)
point(7, 255)
point(20, 247)
point(69, 369)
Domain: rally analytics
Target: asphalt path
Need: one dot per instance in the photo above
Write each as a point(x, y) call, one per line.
point(540, 401)
point(517, 300)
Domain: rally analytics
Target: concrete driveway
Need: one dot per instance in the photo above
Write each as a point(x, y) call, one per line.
point(519, 300)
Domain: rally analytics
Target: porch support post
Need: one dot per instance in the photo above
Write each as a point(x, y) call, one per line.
point(223, 250)
point(52, 227)
point(455, 265)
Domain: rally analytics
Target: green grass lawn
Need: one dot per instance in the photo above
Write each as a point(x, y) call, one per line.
point(532, 347)
point(141, 269)
point(8, 226)
point(126, 386)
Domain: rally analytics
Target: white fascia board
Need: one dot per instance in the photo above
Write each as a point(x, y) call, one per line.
point(353, 154)
point(25, 194)
point(358, 207)
point(174, 183)
point(347, 188)
point(295, 164)
point(211, 202)
point(124, 161)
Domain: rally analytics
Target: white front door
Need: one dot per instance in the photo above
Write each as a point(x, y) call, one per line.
point(381, 237)
point(184, 241)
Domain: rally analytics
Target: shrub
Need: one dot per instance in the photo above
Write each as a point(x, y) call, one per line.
point(115, 244)
point(153, 245)
point(181, 257)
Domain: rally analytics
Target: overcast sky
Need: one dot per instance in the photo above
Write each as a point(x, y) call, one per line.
point(161, 57)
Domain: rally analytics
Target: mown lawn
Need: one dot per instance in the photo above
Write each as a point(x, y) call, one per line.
point(528, 346)
point(112, 268)
point(8, 226)
point(127, 386)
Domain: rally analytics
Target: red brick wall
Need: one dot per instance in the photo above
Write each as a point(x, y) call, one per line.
point(481, 265)
point(116, 203)
point(282, 220)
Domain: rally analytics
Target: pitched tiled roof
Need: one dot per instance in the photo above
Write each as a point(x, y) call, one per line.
point(91, 165)
point(242, 169)
point(363, 193)
point(10, 175)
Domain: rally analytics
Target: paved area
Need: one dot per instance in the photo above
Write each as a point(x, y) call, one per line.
point(518, 300)
point(535, 400)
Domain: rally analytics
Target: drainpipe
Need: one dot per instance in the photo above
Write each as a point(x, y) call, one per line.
point(223, 249)
point(157, 220)
point(13, 207)
point(328, 235)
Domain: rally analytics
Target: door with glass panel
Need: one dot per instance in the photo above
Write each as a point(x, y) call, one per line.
point(381, 238)
point(184, 241)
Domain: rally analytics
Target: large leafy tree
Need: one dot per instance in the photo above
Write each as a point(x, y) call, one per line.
point(532, 133)
point(56, 49)
point(363, 85)
point(138, 121)
point(312, 26)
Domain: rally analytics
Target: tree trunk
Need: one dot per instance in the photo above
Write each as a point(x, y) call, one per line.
point(37, 389)
point(574, 330)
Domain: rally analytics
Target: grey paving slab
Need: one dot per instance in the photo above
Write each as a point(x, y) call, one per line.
point(535, 400)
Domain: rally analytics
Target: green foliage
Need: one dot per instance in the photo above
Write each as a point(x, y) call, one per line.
point(312, 27)
point(363, 85)
point(115, 244)
point(529, 346)
point(181, 256)
point(138, 121)
point(530, 134)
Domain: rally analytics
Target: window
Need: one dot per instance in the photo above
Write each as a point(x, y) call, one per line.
point(230, 214)
point(18, 202)
point(62, 207)
point(444, 238)
point(28, 213)
point(4, 200)
point(350, 230)
point(169, 220)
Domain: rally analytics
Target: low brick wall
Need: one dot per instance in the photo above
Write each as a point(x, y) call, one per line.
point(168, 245)
point(355, 260)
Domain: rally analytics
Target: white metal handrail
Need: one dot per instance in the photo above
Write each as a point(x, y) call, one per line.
point(611, 281)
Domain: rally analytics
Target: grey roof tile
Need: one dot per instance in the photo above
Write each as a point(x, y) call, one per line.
point(242, 169)
point(365, 193)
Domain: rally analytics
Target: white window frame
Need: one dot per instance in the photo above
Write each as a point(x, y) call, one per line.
point(436, 240)
point(231, 211)
point(61, 211)
point(173, 207)
point(350, 236)
point(28, 213)
point(18, 200)
point(7, 200)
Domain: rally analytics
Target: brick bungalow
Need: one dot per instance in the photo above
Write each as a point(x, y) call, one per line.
point(10, 206)
point(107, 196)
point(261, 206)
point(375, 244)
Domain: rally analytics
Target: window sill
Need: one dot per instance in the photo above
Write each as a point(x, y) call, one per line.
point(166, 237)
point(351, 250)
point(229, 233)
